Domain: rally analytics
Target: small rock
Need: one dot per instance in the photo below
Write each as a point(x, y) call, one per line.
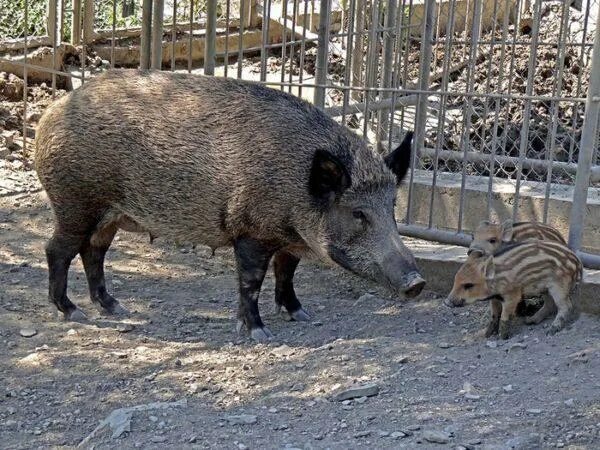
point(242, 419)
point(517, 346)
point(366, 390)
point(560, 444)
point(242, 446)
point(491, 344)
point(570, 402)
point(365, 298)
point(125, 327)
point(413, 427)
point(273, 410)
point(444, 345)
point(524, 442)
point(437, 437)
point(470, 396)
point(474, 441)
point(28, 332)
point(71, 332)
point(158, 439)
point(153, 418)
point(403, 359)
point(507, 388)
point(534, 411)
point(347, 402)
point(361, 400)
point(383, 433)
point(361, 434)
point(398, 435)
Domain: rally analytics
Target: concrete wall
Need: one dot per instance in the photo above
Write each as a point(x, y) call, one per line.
point(531, 207)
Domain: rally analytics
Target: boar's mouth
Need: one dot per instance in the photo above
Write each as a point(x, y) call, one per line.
point(340, 257)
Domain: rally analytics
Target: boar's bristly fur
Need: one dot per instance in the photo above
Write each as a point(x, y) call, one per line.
point(218, 162)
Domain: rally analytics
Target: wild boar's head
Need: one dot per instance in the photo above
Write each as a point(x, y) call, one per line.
point(357, 227)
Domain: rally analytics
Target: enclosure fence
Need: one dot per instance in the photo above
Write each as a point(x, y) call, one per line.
point(503, 95)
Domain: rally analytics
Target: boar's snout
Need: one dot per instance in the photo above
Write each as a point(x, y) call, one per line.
point(414, 284)
point(454, 302)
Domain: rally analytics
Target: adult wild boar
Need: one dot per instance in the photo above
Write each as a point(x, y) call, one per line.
point(217, 162)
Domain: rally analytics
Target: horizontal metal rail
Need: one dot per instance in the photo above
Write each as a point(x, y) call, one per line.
point(589, 260)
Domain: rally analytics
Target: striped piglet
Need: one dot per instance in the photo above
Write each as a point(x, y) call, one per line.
point(516, 270)
point(489, 236)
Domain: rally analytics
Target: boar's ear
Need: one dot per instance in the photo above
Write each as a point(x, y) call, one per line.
point(507, 230)
point(328, 177)
point(399, 160)
point(489, 269)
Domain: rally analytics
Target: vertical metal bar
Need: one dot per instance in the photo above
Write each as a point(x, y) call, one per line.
point(372, 54)
point(357, 54)
point(388, 64)
point(349, 62)
point(265, 39)
point(158, 10)
point(443, 100)
point(524, 143)
point(25, 86)
point(589, 140)
point(557, 91)
point(52, 19)
point(146, 37)
point(112, 37)
point(292, 49)
point(497, 103)
point(421, 113)
point(61, 22)
point(191, 36)
point(76, 22)
point(322, 53)
point(243, 5)
point(88, 21)
point(227, 18)
point(211, 37)
point(302, 49)
point(173, 35)
point(466, 130)
point(83, 47)
point(284, 8)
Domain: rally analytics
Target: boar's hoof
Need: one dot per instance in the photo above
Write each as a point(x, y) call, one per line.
point(117, 309)
point(76, 315)
point(555, 327)
point(261, 334)
point(300, 315)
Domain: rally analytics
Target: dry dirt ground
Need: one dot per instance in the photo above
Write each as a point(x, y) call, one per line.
point(437, 380)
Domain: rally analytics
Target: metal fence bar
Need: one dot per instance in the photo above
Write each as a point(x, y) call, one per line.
point(76, 22)
point(557, 89)
point(146, 36)
point(210, 37)
point(389, 38)
point(227, 19)
point(524, 144)
point(265, 39)
point(465, 140)
point(589, 140)
point(173, 35)
point(442, 109)
point(157, 33)
point(25, 85)
point(421, 113)
point(305, 25)
point(322, 53)
point(240, 53)
point(112, 37)
point(190, 36)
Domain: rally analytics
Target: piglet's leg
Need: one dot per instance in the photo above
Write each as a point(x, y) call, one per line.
point(495, 311)
point(560, 294)
point(509, 309)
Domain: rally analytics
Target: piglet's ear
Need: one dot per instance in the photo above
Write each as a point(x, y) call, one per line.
point(399, 160)
point(507, 230)
point(489, 269)
point(328, 179)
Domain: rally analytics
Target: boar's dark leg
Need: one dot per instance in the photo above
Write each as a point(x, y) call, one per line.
point(92, 254)
point(509, 309)
point(284, 266)
point(252, 260)
point(60, 251)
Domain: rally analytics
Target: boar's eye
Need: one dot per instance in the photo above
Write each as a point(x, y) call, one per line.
point(468, 286)
point(492, 240)
point(359, 215)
